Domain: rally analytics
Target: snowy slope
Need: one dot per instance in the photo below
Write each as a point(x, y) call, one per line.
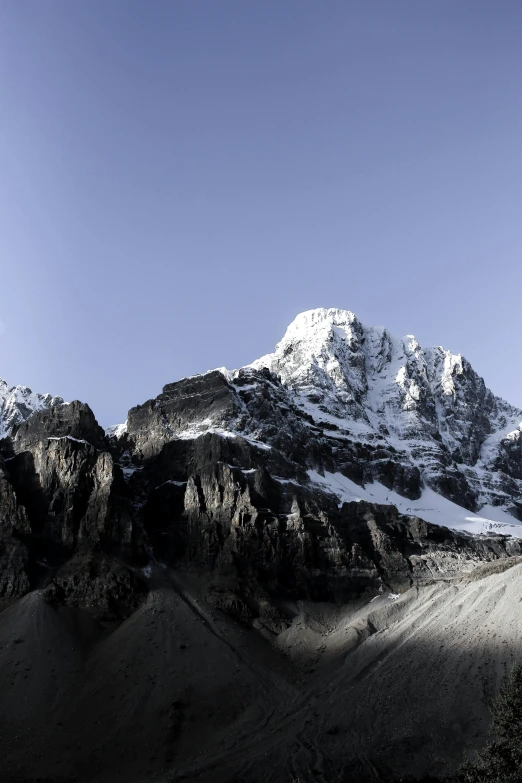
point(361, 373)
point(431, 506)
point(17, 403)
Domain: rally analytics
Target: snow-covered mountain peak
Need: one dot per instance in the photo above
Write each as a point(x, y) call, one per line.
point(353, 400)
point(316, 332)
point(17, 403)
point(374, 384)
point(350, 370)
point(320, 354)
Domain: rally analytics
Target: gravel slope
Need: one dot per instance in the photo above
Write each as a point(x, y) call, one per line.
point(179, 692)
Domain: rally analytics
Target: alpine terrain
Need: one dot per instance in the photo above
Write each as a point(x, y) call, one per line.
point(307, 569)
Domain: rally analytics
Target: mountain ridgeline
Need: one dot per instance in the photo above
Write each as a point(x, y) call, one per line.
point(253, 477)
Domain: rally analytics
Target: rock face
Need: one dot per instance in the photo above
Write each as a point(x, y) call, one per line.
point(265, 539)
point(66, 520)
point(257, 478)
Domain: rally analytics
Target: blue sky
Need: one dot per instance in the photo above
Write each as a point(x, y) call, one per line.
point(178, 179)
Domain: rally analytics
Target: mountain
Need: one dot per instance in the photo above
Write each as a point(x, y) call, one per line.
point(430, 406)
point(258, 560)
point(17, 403)
point(338, 401)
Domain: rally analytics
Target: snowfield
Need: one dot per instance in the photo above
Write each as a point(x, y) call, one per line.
point(431, 507)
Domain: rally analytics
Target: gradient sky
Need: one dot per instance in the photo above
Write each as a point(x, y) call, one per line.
point(180, 178)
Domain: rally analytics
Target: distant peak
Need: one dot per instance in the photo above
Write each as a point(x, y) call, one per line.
point(17, 403)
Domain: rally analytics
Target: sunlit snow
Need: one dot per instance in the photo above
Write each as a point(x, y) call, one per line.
point(431, 506)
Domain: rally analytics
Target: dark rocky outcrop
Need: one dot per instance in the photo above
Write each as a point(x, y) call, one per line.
point(99, 583)
point(66, 514)
point(179, 406)
point(14, 577)
point(73, 420)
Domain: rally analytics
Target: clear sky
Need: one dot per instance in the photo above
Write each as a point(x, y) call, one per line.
point(180, 178)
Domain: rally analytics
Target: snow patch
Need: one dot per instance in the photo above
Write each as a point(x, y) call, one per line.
point(70, 437)
point(116, 430)
point(431, 506)
point(193, 433)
